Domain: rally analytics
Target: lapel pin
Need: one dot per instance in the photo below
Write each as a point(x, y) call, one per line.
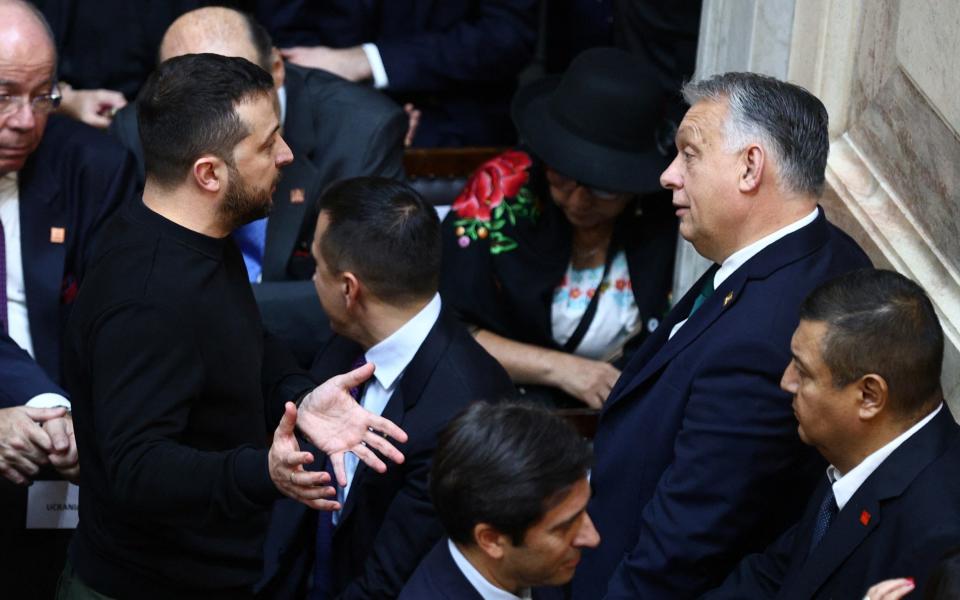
point(297, 196)
point(57, 235)
point(864, 518)
point(728, 299)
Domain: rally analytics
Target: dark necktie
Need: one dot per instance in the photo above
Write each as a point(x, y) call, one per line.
point(357, 391)
point(828, 510)
point(3, 281)
point(706, 291)
point(322, 587)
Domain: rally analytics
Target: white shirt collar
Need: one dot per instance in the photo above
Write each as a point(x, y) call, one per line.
point(392, 355)
point(487, 590)
point(8, 181)
point(845, 486)
point(282, 99)
point(741, 256)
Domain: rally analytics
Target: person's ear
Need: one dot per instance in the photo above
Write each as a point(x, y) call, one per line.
point(350, 288)
point(210, 173)
point(752, 162)
point(873, 396)
point(490, 541)
point(277, 69)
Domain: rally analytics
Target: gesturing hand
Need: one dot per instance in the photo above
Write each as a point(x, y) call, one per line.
point(24, 445)
point(335, 423)
point(286, 463)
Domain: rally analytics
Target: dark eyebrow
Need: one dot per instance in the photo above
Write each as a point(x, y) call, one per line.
point(567, 523)
point(799, 362)
point(271, 134)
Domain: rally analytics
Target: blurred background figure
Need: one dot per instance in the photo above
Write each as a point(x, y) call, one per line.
point(455, 61)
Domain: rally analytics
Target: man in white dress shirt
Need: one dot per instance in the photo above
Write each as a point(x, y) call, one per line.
point(377, 249)
point(510, 484)
point(865, 380)
point(59, 180)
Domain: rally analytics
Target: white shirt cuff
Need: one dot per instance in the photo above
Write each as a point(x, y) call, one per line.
point(376, 66)
point(49, 400)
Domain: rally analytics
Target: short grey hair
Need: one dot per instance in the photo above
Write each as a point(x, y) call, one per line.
point(790, 122)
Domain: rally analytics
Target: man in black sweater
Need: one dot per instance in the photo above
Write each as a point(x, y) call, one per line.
point(175, 385)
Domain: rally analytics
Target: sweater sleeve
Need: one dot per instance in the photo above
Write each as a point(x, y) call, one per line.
point(147, 375)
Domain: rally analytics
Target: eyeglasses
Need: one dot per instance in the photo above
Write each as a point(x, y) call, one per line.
point(567, 184)
point(40, 105)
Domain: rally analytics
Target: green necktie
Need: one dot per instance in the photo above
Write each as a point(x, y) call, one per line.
point(705, 292)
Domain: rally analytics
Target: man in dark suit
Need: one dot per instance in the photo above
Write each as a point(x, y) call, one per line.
point(865, 380)
point(698, 460)
point(377, 248)
point(455, 60)
point(336, 129)
point(59, 180)
point(510, 485)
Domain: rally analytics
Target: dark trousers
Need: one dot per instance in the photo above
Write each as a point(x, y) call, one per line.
point(71, 587)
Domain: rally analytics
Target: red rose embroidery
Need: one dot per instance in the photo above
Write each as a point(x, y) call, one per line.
point(499, 178)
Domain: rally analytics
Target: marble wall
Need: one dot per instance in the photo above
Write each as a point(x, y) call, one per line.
point(885, 70)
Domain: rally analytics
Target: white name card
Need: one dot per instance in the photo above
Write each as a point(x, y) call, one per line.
point(53, 505)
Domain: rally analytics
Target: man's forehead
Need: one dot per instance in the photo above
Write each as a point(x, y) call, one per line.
point(702, 120)
point(807, 338)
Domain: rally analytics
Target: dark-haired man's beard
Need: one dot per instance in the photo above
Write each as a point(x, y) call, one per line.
point(244, 203)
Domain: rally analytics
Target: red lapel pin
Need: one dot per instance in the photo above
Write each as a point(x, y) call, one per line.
point(864, 518)
point(297, 196)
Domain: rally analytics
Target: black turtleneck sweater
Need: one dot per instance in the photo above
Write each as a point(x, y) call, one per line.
point(176, 391)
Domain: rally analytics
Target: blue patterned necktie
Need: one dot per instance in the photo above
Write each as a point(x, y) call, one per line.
point(828, 510)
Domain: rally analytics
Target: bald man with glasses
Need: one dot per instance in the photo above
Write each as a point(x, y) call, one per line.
point(58, 182)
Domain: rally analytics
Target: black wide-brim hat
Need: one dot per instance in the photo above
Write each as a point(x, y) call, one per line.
point(598, 123)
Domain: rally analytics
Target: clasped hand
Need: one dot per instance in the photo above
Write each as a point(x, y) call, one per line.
point(33, 437)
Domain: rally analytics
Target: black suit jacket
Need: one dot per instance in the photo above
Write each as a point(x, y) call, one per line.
point(74, 180)
point(698, 462)
point(456, 60)
point(387, 524)
point(439, 578)
point(336, 129)
point(897, 524)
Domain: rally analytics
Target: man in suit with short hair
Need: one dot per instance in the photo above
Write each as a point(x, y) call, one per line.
point(377, 249)
point(865, 380)
point(510, 485)
point(698, 460)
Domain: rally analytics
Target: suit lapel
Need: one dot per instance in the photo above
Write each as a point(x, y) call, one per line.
point(43, 258)
point(409, 389)
point(299, 130)
point(652, 357)
point(290, 204)
point(863, 512)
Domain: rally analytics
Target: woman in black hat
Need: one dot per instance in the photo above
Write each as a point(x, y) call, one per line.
point(561, 257)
